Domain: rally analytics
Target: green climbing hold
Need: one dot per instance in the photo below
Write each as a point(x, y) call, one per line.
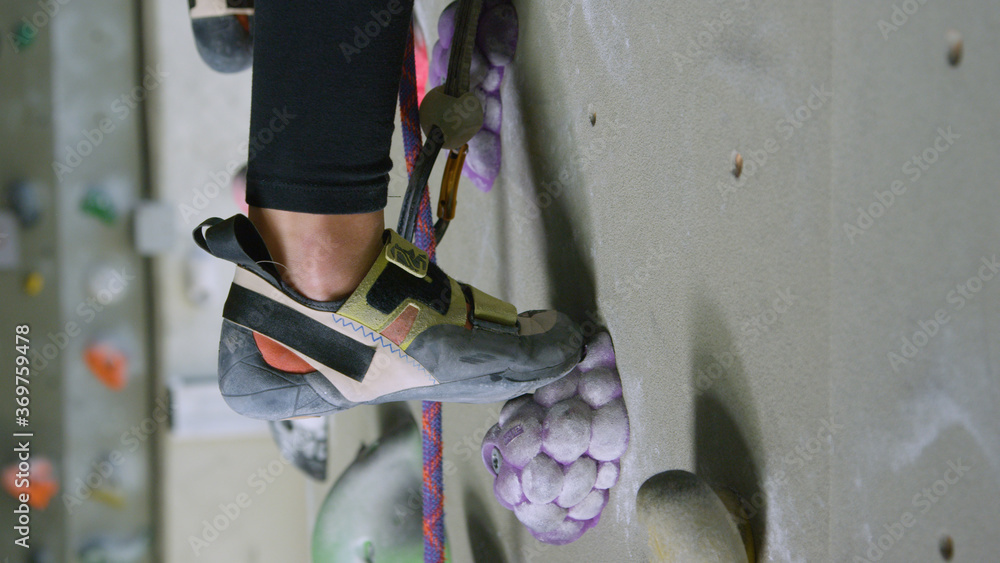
point(99, 204)
point(23, 36)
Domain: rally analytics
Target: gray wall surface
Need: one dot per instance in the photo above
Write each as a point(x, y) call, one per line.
point(753, 329)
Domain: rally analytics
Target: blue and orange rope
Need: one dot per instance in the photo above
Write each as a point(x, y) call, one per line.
point(433, 483)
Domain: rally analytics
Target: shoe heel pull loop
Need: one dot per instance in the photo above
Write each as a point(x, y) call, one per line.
point(199, 232)
point(237, 240)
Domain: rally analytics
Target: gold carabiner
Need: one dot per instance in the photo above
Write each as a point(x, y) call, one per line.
point(449, 183)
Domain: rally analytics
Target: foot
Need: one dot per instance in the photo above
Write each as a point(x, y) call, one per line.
point(407, 331)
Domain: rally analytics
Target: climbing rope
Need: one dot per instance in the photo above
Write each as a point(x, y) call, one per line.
point(423, 237)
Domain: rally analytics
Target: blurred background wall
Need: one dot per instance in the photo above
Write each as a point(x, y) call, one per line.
point(818, 333)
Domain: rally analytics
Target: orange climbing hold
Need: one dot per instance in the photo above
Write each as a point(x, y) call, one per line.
point(38, 482)
point(109, 365)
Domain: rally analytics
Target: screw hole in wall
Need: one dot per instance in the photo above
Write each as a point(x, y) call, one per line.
point(955, 47)
point(947, 547)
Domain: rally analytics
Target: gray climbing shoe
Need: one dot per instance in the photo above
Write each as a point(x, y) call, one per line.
point(408, 331)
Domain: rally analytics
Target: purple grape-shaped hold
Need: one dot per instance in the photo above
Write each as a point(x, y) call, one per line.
point(491, 82)
point(607, 475)
point(511, 407)
point(609, 432)
point(507, 487)
point(492, 113)
point(438, 66)
point(478, 68)
point(599, 387)
point(558, 484)
point(521, 438)
point(446, 25)
point(566, 430)
point(495, 44)
point(542, 479)
point(483, 159)
point(497, 34)
point(600, 353)
point(567, 531)
point(540, 517)
point(590, 506)
point(558, 390)
point(581, 477)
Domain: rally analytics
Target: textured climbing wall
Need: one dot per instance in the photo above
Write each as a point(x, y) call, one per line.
point(913, 300)
point(753, 329)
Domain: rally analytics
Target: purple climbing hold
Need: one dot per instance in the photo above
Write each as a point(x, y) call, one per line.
point(540, 517)
point(581, 477)
point(542, 479)
point(511, 407)
point(496, 42)
point(491, 82)
point(555, 454)
point(438, 66)
point(483, 160)
point(497, 34)
point(599, 387)
point(558, 390)
point(567, 531)
point(492, 113)
point(507, 487)
point(446, 25)
point(478, 68)
point(609, 432)
point(521, 438)
point(590, 506)
point(607, 475)
point(566, 430)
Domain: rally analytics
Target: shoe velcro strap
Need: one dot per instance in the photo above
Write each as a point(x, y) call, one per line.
point(488, 308)
point(288, 327)
point(237, 240)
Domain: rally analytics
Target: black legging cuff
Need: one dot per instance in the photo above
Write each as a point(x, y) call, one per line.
point(323, 199)
point(326, 77)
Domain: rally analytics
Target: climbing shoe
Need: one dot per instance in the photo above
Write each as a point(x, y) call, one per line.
point(409, 331)
point(223, 33)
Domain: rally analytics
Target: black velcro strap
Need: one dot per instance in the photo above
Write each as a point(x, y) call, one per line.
point(395, 285)
point(293, 329)
point(237, 240)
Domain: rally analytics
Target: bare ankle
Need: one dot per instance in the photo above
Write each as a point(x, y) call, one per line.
point(324, 257)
